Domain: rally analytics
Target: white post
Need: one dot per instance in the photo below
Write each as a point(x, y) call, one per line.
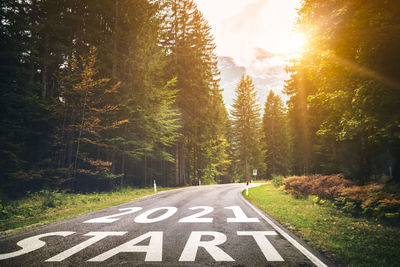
point(199, 181)
point(247, 190)
point(155, 186)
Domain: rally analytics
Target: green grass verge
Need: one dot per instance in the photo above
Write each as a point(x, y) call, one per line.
point(343, 238)
point(261, 181)
point(45, 206)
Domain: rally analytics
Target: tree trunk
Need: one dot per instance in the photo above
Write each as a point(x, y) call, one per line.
point(79, 137)
point(365, 164)
point(145, 169)
point(70, 141)
point(180, 164)
point(33, 22)
point(183, 166)
point(247, 169)
point(45, 65)
point(113, 161)
point(115, 45)
point(123, 165)
point(177, 164)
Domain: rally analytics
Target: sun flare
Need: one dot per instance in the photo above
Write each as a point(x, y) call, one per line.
point(294, 45)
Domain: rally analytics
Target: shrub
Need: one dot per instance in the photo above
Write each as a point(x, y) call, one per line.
point(277, 180)
point(327, 187)
point(49, 198)
point(376, 200)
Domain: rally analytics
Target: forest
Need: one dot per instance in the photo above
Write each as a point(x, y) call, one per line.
point(97, 95)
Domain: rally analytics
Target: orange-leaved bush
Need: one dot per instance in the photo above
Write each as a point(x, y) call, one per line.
point(327, 187)
point(376, 200)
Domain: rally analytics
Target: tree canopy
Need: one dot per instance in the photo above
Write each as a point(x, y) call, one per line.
point(100, 94)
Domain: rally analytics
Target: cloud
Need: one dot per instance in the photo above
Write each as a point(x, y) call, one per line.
point(237, 34)
point(250, 37)
point(266, 74)
point(230, 76)
point(251, 15)
point(262, 54)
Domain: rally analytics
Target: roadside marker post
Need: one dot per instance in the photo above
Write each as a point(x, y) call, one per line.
point(155, 187)
point(247, 188)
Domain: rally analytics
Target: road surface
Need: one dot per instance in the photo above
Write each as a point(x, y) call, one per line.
point(197, 226)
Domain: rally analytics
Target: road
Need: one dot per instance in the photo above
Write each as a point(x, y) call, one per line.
point(197, 226)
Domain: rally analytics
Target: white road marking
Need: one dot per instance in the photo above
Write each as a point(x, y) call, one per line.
point(97, 236)
point(112, 218)
point(194, 242)
point(292, 241)
point(143, 218)
point(240, 216)
point(270, 253)
point(195, 218)
point(153, 250)
point(32, 243)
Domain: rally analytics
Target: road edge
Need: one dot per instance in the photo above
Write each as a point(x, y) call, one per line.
point(311, 253)
point(31, 227)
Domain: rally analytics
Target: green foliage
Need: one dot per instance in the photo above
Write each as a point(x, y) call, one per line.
point(275, 136)
point(64, 125)
point(246, 127)
point(86, 111)
point(344, 92)
point(277, 180)
point(201, 150)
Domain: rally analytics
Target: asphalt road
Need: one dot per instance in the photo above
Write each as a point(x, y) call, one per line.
point(196, 226)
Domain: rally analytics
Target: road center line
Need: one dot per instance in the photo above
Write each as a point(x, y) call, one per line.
point(314, 259)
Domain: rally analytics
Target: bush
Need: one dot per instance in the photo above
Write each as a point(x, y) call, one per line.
point(277, 180)
point(375, 200)
point(327, 187)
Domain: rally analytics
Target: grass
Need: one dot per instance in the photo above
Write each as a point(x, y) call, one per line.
point(260, 181)
point(45, 206)
point(345, 239)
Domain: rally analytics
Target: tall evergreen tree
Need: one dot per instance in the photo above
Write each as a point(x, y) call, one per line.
point(147, 94)
point(25, 119)
point(246, 125)
point(193, 62)
point(81, 137)
point(43, 37)
point(275, 139)
point(161, 55)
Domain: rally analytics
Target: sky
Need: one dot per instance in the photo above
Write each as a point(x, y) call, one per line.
point(258, 36)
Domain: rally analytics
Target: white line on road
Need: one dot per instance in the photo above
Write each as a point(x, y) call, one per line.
point(292, 241)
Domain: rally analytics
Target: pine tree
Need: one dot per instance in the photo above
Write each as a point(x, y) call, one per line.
point(246, 125)
point(25, 119)
point(161, 53)
point(202, 145)
point(146, 96)
point(85, 108)
point(275, 140)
